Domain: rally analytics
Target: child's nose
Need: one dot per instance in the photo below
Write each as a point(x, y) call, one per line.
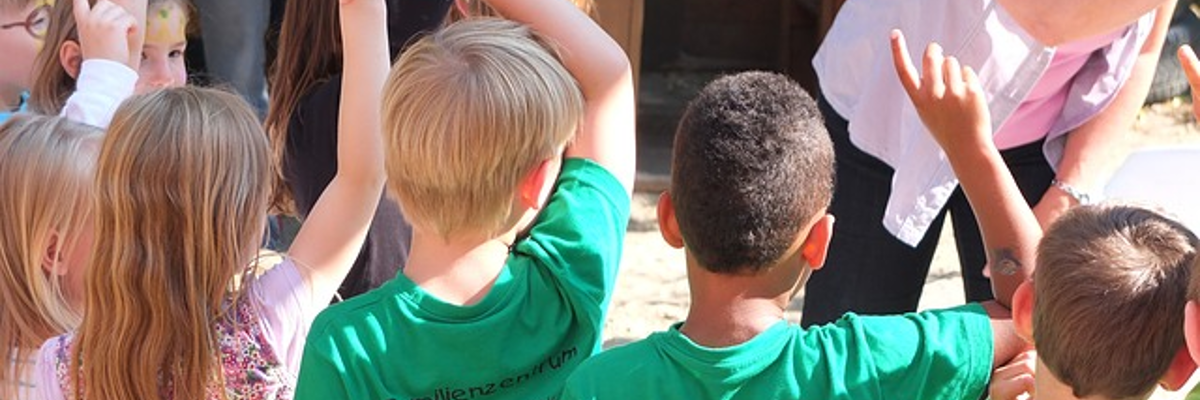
point(159, 74)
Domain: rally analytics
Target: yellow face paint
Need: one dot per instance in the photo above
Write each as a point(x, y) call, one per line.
point(166, 24)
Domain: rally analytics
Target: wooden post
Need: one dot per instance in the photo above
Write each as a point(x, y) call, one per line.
point(622, 19)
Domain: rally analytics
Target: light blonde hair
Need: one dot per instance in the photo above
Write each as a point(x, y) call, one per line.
point(1107, 275)
point(182, 188)
point(46, 168)
point(468, 112)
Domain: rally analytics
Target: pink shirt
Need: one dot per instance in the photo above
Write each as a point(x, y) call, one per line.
point(1036, 115)
point(282, 300)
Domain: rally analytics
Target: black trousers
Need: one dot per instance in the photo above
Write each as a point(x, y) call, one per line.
point(868, 270)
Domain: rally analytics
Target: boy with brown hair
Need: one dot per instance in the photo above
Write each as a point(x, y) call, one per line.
point(750, 184)
point(1103, 307)
point(1109, 276)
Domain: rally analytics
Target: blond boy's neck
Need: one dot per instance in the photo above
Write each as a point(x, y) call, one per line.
point(458, 270)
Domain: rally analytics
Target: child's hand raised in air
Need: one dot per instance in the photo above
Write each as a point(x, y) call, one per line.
point(1191, 68)
point(109, 31)
point(948, 97)
point(1014, 381)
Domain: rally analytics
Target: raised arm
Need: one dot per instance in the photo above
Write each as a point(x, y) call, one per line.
point(1060, 21)
point(110, 41)
point(332, 235)
point(604, 75)
point(1191, 68)
point(950, 100)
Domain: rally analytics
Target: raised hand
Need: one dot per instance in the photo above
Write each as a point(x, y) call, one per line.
point(951, 103)
point(1014, 381)
point(107, 31)
point(1191, 68)
point(948, 96)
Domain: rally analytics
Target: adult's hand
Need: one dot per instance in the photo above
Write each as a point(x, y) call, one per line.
point(1054, 203)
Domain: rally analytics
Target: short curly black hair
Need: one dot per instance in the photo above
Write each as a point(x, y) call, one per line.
point(753, 164)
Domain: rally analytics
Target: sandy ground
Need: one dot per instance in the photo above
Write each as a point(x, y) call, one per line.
point(652, 291)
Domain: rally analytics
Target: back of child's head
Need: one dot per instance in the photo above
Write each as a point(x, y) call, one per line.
point(52, 83)
point(469, 111)
point(182, 187)
point(46, 166)
point(753, 165)
point(1109, 291)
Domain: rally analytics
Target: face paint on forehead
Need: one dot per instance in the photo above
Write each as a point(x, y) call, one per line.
point(166, 24)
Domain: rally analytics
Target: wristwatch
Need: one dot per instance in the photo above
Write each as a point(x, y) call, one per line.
point(1082, 197)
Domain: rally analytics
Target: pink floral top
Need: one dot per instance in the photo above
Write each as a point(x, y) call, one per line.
point(260, 345)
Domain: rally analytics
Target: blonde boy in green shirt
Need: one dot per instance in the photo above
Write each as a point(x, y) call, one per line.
point(514, 163)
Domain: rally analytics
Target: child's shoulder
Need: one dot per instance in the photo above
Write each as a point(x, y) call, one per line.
point(629, 363)
point(355, 312)
point(591, 173)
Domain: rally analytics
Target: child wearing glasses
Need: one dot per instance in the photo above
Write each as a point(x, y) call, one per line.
point(22, 26)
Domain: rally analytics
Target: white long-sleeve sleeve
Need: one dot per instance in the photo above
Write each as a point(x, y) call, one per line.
point(100, 89)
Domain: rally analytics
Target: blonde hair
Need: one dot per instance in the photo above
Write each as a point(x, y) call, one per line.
point(468, 112)
point(182, 188)
point(45, 179)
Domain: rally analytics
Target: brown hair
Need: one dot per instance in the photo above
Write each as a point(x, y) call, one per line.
point(752, 164)
point(52, 85)
point(310, 52)
point(46, 166)
point(181, 195)
point(1107, 277)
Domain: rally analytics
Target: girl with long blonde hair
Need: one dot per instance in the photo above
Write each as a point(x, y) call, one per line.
point(46, 166)
point(173, 308)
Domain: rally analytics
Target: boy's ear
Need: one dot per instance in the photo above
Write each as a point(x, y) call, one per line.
point(536, 186)
point(52, 257)
point(816, 245)
point(71, 57)
point(668, 226)
point(1022, 311)
point(1179, 372)
point(1191, 329)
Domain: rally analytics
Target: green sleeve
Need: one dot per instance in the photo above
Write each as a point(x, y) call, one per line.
point(942, 354)
point(321, 377)
point(581, 231)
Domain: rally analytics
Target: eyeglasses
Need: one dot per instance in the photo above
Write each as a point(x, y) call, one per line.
point(35, 24)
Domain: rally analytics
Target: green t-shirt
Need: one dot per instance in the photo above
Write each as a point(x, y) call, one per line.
point(542, 317)
point(945, 354)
